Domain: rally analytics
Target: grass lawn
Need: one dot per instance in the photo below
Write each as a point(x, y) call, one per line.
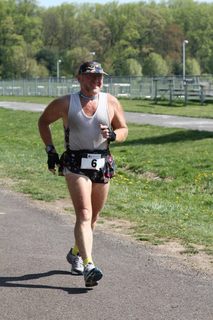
point(145, 106)
point(164, 181)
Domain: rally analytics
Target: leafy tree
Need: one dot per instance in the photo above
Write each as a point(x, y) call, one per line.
point(115, 20)
point(73, 58)
point(34, 70)
point(69, 29)
point(27, 20)
point(151, 27)
point(192, 67)
point(210, 63)
point(171, 43)
point(47, 58)
point(201, 36)
point(124, 37)
point(52, 26)
point(10, 44)
point(155, 65)
point(133, 68)
point(100, 35)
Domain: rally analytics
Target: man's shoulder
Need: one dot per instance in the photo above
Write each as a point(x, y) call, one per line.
point(111, 99)
point(63, 100)
point(60, 103)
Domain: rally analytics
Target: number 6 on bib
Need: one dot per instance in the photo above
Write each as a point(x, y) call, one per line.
point(92, 163)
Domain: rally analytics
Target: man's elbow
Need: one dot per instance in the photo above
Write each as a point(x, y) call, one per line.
point(42, 125)
point(122, 134)
point(126, 130)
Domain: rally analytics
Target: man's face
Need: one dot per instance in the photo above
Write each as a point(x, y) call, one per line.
point(91, 83)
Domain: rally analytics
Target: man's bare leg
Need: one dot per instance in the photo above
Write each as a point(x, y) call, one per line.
point(99, 196)
point(88, 200)
point(80, 188)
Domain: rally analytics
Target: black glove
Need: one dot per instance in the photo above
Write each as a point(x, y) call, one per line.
point(53, 160)
point(112, 136)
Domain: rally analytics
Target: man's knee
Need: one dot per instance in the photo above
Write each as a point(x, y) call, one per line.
point(84, 216)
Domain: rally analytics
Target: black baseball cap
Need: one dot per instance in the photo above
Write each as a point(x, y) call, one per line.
point(91, 67)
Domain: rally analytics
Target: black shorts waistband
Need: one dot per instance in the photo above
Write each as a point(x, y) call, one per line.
point(84, 152)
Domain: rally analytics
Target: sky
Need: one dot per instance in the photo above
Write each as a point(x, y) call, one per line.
point(52, 3)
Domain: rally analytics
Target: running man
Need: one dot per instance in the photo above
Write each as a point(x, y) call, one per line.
point(92, 119)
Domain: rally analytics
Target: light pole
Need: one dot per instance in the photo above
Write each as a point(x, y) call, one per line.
point(184, 58)
point(58, 69)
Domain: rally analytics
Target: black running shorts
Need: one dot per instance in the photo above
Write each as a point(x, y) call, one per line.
point(97, 165)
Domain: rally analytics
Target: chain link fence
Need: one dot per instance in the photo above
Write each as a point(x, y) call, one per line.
point(170, 88)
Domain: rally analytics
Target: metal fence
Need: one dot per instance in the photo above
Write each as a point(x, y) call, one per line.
point(155, 88)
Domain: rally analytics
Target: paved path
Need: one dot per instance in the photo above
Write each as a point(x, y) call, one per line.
point(25, 106)
point(171, 121)
point(142, 118)
point(138, 284)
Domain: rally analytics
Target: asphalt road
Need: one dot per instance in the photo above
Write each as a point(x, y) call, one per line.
point(138, 284)
point(141, 118)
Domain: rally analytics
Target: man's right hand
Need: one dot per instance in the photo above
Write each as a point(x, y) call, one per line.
point(53, 161)
point(53, 158)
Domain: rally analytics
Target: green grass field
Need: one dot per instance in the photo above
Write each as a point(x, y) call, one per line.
point(164, 181)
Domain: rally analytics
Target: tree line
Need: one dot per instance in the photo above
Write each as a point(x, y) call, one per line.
point(134, 39)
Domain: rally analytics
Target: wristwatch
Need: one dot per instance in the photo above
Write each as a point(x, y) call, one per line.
point(49, 148)
point(112, 136)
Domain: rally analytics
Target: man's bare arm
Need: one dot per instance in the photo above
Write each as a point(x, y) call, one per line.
point(118, 121)
point(57, 109)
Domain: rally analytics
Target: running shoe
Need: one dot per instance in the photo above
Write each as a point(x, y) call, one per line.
point(76, 263)
point(92, 275)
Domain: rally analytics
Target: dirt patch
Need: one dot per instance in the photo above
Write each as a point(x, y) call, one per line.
point(150, 176)
point(63, 206)
point(199, 261)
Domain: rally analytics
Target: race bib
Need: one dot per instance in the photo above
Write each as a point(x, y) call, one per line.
point(92, 162)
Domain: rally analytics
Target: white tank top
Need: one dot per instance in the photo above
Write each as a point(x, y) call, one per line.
point(84, 131)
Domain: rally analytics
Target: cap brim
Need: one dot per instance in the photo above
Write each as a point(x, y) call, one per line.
point(103, 72)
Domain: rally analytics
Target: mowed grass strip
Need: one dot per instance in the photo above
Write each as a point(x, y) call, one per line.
point(163, 185)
